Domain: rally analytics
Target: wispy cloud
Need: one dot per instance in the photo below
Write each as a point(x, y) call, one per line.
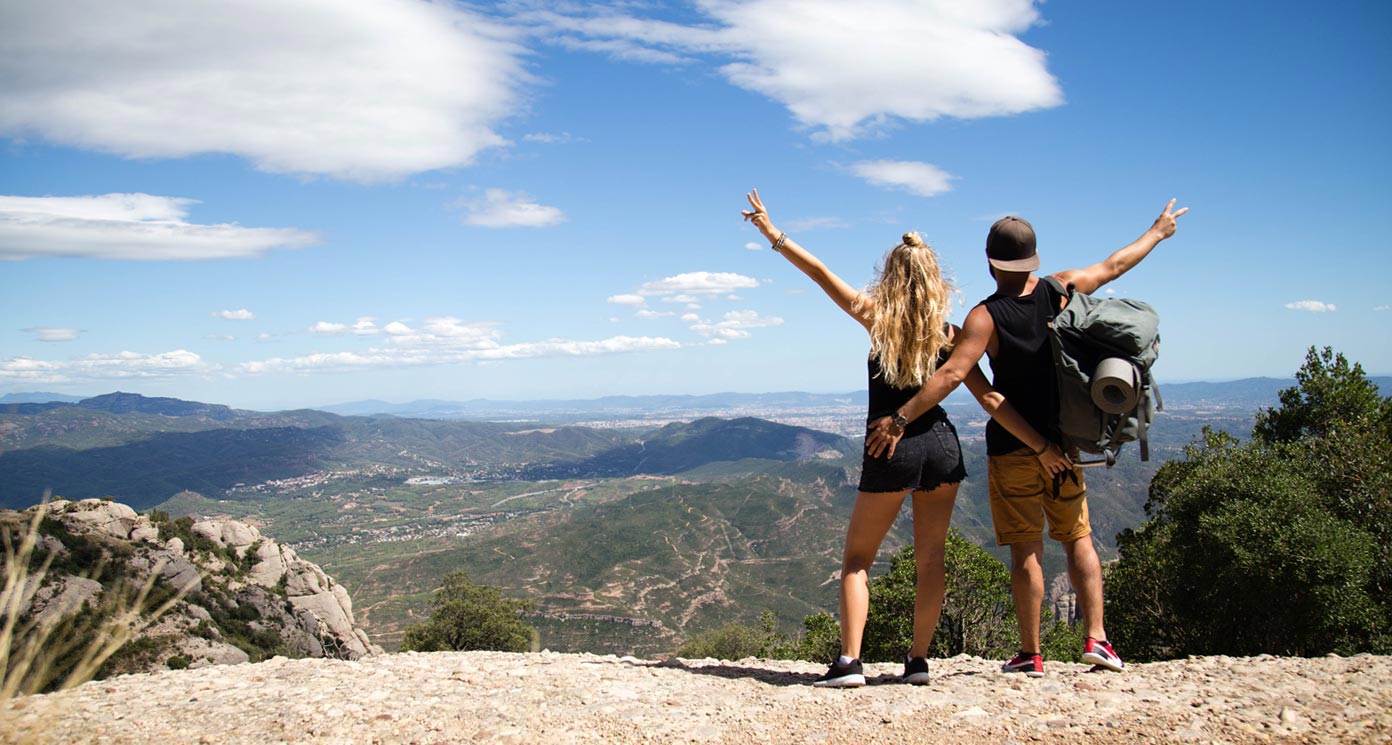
point(500, 208)
point(651, 315)
point(367, 91)
point(128, 226)
point(735, 324)
point(754, 246)
point(683, 288)
point(328, 328)
point(923, 179)
point(417, 355)
point(1312, 306)
point(241, 314)
point(841, 68)
point(628, 299)
point(219, 337)
point(549, 138)
point(98, 367)
point(817, 223)
point(1383, 307)
point(53, 333)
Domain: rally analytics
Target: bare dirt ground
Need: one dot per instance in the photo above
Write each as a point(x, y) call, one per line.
point(558, 698)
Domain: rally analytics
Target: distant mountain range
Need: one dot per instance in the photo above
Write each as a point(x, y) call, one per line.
point(636, 534)
point(1250, 393)
point(37, 397)
point(144, 450)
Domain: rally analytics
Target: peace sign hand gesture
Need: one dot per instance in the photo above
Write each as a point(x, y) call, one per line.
point(1166, 224)
point(759, 216)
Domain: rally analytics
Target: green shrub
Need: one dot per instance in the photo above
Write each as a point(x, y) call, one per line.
point(466, 616)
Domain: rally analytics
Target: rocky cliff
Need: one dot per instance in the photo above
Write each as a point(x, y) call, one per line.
point(246, 597)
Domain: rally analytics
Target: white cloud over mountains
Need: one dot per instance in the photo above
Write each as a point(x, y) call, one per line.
point(128, 226)
point(422, 353)
point(367, 90)
point(841, 68)
point(94, 367)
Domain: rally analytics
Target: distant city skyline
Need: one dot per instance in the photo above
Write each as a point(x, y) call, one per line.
point(280, 207)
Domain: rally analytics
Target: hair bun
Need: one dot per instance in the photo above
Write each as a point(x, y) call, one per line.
point(912, 238)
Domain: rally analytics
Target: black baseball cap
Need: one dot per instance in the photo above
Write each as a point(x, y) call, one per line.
point(1010, 245)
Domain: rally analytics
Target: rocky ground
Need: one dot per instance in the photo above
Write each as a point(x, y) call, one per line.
point(557, 698)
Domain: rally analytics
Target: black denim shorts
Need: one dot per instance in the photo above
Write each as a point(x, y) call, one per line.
point(922, 461)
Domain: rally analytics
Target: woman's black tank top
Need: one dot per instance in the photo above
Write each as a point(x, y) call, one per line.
point(885, 399)
point(1023, 366)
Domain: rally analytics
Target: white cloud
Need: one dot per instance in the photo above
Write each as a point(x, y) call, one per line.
point(500, 208)
point(219, 337)
point(445, 355)
point(627, 299)
point(1383, 307)
point(327, 328)
point(923, 179)
point(735, 324)
point(234, 315)
point(366, 90)
point(844, 68)
point(806, 224)
point(127, 226)
point(1312, 306)
point(1111, 291)
point(366, 326)
point(397, 328)
point(754, 246)
point(690, 317)
point(548, 138)
point(99, 367)
point(682, 287)
point(649, 315)
point(53, 333)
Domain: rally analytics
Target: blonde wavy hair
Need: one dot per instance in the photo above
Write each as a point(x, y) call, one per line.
point(909, 301)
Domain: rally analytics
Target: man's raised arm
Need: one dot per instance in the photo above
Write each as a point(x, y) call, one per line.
point(1123, 259)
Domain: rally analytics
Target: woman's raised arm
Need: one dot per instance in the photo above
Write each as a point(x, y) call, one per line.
point(847, 298)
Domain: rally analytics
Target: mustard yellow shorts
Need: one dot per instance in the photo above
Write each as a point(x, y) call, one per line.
point(1022, 497)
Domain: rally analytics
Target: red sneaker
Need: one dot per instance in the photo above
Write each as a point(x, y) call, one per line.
point(1101, 653)
point(1024, 662)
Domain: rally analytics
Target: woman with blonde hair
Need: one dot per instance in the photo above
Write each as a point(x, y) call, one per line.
point(905, 311)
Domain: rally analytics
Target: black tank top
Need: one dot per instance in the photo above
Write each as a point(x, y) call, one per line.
point(1023, 367)
point(885, 399)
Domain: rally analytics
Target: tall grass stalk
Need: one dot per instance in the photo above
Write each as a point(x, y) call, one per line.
point(29, 650)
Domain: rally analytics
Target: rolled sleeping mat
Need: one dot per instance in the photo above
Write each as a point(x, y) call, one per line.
point(1116, 386)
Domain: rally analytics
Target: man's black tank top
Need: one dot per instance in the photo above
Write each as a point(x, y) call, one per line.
point(885, 399)
point(1023, 367)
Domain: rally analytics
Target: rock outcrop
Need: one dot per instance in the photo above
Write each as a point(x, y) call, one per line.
point(245, 597)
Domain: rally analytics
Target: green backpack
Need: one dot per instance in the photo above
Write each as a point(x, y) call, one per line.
point(1103, 350)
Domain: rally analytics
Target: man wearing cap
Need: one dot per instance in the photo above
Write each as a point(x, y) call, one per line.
point(1011, 327)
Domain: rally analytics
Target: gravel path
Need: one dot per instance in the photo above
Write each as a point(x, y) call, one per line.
point(559, 698)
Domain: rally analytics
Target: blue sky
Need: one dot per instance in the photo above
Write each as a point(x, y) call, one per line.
point(294, 203)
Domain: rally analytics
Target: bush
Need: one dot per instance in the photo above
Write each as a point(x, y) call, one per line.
point(978, 616)
point(1279, 545)
point(467, 616)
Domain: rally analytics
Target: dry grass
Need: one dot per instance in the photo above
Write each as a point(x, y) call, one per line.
point(29, 649)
